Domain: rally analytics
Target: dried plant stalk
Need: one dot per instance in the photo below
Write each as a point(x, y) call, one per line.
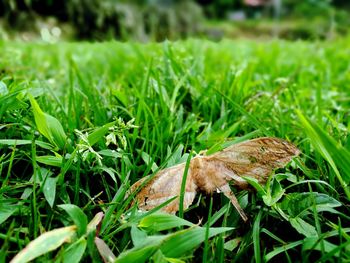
point(255, 158)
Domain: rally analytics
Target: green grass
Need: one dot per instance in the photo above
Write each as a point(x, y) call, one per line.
point(155, 104)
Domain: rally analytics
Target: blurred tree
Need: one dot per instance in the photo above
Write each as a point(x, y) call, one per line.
point(218, 8)
point(158, 19)
point(138, 19)
point(307, 7)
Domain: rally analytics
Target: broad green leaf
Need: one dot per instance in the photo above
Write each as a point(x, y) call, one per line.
point(105, 252)
point(314, 243)
point(46, 242)
point(50, 160)
point(274, 192)
point(159, 257)
point(26, 193)
point(182, 241)
point(282, 176)
point(172, 245)
point(78, 217)
point(142, 215)
point(58, 135)
point(41, 175)
point(6, 211)
point(138, 236)
point(232, 244)
point(143, 253)
point(299, 204)
point(40, 119)
point(255, 183)
point(343, 248)
point(48, 126)
point(98, 133)
point(110, 153)
point(303, 227)
point(75, 251)
point(139, 255)
point(49, 190)
point(162, 221)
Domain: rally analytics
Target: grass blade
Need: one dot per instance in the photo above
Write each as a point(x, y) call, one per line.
point(256, 237)
point(183, 186)
point(13, 142)
point(332, 152)
point(281, 249)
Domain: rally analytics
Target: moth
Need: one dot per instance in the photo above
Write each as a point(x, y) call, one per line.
point(255, 158)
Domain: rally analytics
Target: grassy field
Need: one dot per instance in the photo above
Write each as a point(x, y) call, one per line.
point(80, 123)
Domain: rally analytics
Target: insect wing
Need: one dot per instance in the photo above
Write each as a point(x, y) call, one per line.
point(256, 158)
point(164, 186)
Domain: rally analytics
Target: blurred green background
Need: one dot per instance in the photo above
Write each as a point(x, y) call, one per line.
point(149, 20)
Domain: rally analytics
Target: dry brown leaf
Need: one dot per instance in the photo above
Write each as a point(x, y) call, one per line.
point(255, 158)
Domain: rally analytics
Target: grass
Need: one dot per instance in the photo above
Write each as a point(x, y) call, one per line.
point(154, 104)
